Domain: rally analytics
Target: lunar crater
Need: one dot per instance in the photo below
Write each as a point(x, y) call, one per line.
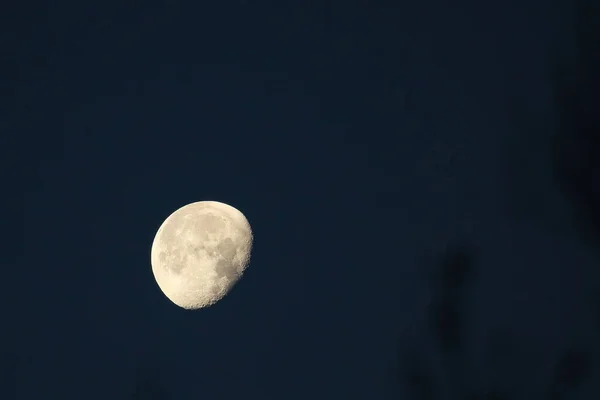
point(200, 252)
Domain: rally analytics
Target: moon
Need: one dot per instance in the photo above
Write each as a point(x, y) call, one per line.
point(199, 253)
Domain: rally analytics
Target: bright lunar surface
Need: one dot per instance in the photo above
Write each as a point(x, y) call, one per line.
point(200, 252)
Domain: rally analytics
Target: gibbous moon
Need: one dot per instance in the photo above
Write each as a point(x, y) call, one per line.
point(200, 252)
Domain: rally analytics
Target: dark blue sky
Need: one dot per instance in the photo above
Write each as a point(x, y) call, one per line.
point(357, 140)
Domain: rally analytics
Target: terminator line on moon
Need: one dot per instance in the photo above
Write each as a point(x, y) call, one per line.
point(199, 252)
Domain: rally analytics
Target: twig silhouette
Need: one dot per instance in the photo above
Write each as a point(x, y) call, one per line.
point(447, 325)
point(577, 149)
point(569, 141)
point(576, 172)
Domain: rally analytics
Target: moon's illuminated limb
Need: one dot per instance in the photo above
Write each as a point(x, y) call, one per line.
point(199, 252)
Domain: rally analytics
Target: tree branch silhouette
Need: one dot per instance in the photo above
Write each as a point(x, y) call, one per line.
point(568, 141)
point(577, 95)
point(447, 326)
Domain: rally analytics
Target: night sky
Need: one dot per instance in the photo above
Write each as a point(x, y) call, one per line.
point(359, 141)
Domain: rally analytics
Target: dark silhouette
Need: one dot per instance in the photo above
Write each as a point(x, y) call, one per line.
point(577, 146)
point(576, 149)
point(510, 365)
point(569, 141)
point(575, 171)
